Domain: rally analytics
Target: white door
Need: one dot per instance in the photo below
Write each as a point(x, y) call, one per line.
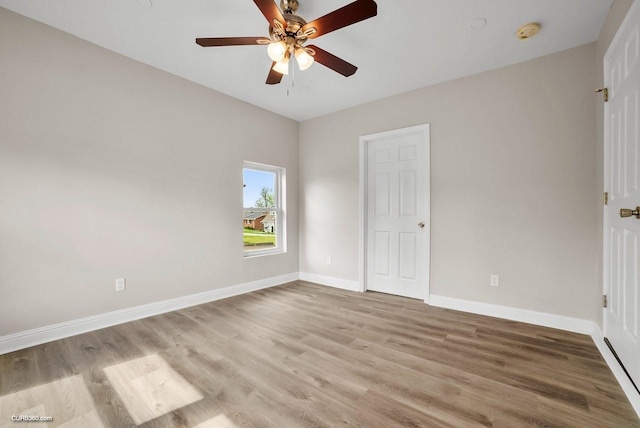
point(397, 212)
point(622, 182)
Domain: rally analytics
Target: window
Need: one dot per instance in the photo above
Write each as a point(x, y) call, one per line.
point(263, 225)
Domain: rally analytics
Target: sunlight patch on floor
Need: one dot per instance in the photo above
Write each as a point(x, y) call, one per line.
point(220, 421)
point(67, 401)
point(149, 387)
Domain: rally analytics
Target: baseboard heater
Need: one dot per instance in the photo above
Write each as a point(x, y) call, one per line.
point(613, 351)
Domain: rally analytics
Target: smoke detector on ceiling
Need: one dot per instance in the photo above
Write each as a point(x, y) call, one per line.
point(478, 24)
point(527, 31)
point(148, 4)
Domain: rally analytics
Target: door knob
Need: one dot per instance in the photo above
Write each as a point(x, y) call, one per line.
point(421, 225)
point(625, 212)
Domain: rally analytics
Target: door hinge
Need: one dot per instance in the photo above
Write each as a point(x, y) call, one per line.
point(605, 303)
point(605, 94)
point(606, 198)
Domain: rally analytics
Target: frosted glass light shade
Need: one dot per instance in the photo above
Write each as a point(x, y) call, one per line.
point(304, 59)
point(282, 67)
point(277, 50)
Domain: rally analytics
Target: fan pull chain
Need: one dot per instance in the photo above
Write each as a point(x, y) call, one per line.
point(292, 80)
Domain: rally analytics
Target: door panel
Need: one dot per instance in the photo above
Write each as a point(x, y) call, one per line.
point(408, 259)
point(381, 249)
point(629, 300)
point(382, 196)
point(622, 181)
point(408, 192)
point(397, 194)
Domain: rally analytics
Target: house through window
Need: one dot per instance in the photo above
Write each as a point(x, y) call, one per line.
point(262, 217)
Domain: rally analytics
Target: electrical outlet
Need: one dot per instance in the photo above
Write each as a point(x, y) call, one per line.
point(495, 280)
point(329, 261)
point(121, 284)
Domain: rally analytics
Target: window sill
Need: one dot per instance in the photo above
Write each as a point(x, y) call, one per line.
point(262, 253)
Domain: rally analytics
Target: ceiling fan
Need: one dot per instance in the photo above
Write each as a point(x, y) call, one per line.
point(289, 32)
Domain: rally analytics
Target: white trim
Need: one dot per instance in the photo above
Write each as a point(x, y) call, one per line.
point(362, 228)
point(560, 322)
point(616, 369)
point(344, 284)
point(37, 336)
point(362, 188)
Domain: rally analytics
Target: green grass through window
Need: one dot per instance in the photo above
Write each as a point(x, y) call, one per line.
point(253, 238)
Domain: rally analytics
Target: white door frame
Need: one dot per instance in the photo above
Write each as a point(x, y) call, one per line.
point(362, 246)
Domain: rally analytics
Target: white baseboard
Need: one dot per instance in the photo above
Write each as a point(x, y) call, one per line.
point(621, 376)
point(37, 336)
point(344, 284)
point(560, 322)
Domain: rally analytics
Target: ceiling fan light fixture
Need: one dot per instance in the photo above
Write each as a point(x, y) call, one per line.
point(304, 59)
point(282, 67)
point(288, 33)
point(277, 50)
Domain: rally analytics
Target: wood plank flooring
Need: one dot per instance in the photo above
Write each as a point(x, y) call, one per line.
point(307, 355)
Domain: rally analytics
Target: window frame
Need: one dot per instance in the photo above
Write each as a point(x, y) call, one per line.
point(280, 208)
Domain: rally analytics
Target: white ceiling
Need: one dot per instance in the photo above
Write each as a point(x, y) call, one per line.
point(409, 45)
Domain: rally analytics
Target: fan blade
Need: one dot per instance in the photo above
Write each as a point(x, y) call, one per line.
point(274, 77)
point(333, 62)
point(270, 11)
point(357, 11)
point(230, 41)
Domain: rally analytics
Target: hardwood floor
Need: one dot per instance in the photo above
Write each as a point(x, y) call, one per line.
point(307, 355)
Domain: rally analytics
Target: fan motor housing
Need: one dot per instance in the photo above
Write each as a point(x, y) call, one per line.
point(289, 6)
point(294, 22)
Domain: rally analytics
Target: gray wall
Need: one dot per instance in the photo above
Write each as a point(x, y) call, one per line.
point(110, 168)
point(616, 15)
point(512, 183)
